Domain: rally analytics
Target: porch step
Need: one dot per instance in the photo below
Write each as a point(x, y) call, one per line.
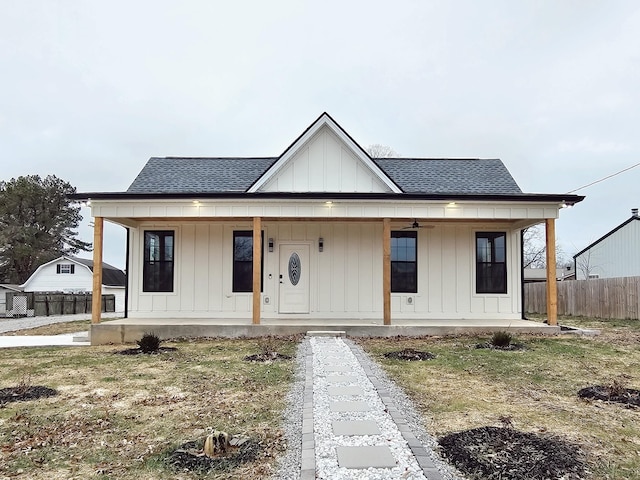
point(326, 333)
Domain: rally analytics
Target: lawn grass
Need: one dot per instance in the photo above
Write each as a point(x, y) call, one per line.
point(118, 416)
point(534, 389)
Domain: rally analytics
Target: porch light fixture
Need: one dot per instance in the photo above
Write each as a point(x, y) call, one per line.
point(320, 244)
point(271, 244)
point(329, 203)
point(196, 203)
point(451, 204)
point(565, 205)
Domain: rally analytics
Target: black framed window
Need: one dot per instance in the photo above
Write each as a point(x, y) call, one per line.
point(65, 268)
point(158, 261)
point(404, 262)
point(243, 261)
point(491, 262)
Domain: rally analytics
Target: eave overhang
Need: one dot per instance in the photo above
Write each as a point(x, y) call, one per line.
point(562, 199)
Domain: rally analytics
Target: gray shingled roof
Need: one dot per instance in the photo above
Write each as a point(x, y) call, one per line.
point(412, 175)
point(448, 176)
point(199, 175)
point(111, 276)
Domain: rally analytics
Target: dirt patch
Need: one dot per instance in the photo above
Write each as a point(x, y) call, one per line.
point(190, 458)
point(507, 454)
point(266, 357)
point(628, 396)
point(410, 355)
point(21, 393)
point(139, 351)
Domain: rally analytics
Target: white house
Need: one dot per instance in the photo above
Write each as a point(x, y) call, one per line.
point(75, 275)
point(615, 254)
point(324, 231)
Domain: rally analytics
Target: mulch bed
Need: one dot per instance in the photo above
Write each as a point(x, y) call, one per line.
point(410, 355)
point(266, 357)
point(20, 394)
point(628, 396)
point(492, 453)
point(187, 458)
point(510, 347)
point(138, 351)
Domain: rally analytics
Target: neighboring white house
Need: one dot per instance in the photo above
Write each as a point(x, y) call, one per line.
point(75, 275)
point(533, 275)
point(4, 289)
point(324, 231)
point(615, 254)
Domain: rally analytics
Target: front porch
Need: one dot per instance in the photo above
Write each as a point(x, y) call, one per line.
point(129, 330)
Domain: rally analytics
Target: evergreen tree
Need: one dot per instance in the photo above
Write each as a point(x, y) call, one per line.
point(38, 223)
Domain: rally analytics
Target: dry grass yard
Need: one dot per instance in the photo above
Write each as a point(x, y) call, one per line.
point(118, 416)
point(534, 390)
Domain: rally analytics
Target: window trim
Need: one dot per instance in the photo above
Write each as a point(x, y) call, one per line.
point(146, 261)
point(69, 271)
point(505, 275)
point(249, 234)
point(405, 234)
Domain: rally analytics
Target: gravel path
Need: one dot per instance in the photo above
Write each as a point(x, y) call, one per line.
point(13, 324)
point(325, 442)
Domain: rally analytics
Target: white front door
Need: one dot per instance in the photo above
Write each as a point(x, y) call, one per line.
point(294, 278)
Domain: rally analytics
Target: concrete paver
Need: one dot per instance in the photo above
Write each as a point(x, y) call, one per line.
point(349, 406)
point(355, 427)
point(378, 456)
point(347, 391)
point(337, 368)
point(341, 378)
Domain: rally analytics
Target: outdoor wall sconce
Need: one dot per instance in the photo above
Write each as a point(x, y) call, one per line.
point(271, 244)
point(320, 244)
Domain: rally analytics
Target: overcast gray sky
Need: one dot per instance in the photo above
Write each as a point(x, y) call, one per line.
point(89, 90)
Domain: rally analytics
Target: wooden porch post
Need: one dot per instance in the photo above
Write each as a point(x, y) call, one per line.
point(257, 263)
point(552, 286)
point(386, 270)
point(96, 294)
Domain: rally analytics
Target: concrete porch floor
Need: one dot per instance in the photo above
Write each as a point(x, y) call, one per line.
point(129, 330)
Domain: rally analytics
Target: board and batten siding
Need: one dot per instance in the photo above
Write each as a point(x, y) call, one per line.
point(345, 279)
point(617, 255)
point(324, 164)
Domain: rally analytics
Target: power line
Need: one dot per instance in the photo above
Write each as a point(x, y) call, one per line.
point(604, 178)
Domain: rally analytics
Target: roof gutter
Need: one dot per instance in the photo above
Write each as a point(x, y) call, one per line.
point(565, 199)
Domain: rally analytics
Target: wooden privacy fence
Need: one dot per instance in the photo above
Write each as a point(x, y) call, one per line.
point(597, 298)
point(46, 304)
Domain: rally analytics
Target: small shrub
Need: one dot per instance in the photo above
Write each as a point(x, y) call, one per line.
point(617, 388)
point(268, 345)
point(24, 385)
point(149, 343)
point(501, 339)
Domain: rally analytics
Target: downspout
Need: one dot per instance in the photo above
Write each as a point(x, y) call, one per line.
point(126, 271)
point(522, 302)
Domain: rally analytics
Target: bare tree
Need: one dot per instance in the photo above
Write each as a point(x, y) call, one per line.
point(534, 247)
point(584, 265)
point(381, 151)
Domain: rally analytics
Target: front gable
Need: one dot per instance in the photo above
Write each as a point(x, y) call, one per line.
point(325, 159)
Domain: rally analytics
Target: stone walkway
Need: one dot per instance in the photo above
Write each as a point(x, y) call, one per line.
point(351, 426)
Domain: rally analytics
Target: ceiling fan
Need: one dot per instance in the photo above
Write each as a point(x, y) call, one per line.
point(415, 224)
